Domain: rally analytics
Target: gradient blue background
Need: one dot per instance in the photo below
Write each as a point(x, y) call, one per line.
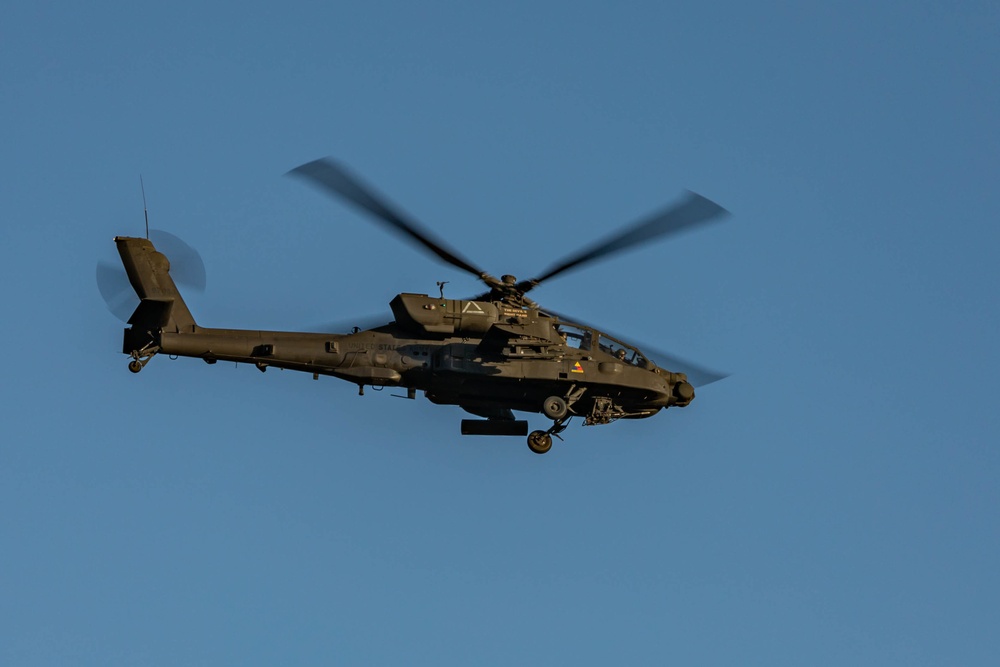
point(834, 502)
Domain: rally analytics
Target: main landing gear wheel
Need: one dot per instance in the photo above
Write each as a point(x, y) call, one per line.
point(539, 442)
point(135, 365)
point(555, 408)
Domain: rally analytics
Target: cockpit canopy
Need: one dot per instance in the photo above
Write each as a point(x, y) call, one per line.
point(585, 338)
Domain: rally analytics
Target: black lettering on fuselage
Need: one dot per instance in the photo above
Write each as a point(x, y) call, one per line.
point(381, 347)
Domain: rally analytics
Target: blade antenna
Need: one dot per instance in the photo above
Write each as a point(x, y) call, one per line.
point(145, 212)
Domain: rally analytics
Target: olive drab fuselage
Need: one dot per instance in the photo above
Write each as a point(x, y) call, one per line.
point(475, 372)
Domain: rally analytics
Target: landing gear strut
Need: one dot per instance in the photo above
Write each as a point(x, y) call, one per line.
point(603, 411)
point(556, 408)
point(141, 357)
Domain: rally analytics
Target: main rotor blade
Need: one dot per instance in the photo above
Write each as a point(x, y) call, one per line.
point(697, 375)
point(363, 323)
point(691, 211)
point(328, 175)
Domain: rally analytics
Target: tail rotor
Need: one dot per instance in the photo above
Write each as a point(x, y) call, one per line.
point(186, 268)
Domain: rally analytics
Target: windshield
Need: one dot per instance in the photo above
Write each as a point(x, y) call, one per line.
point(621, 351)
point(585, 338)
point(575, 337)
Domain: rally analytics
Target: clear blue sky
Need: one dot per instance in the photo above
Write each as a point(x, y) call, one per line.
point(834, 502)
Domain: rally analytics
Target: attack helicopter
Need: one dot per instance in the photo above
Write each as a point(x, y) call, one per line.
point(493, 354)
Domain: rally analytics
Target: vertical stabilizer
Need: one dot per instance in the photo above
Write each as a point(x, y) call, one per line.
point(161, 306)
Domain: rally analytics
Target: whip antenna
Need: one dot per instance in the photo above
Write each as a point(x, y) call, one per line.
point(145, 213)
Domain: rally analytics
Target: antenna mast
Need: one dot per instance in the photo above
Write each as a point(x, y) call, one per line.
point(145, 213)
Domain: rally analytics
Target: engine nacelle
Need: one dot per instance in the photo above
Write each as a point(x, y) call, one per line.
point(424, 314)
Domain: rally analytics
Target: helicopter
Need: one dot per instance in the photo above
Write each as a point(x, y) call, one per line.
point(492, 354)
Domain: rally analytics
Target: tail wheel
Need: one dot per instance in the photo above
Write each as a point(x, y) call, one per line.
point(539, 442)
point(555, 408)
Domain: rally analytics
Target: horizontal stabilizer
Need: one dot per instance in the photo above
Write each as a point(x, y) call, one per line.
point(152, 313)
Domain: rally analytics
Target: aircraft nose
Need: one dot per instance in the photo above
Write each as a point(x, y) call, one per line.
point(683, 392)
